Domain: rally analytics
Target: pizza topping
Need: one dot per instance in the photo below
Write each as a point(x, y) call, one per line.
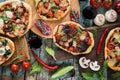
point(52, 8)
point(1, 23)
point(9, 14)
point(73, 38)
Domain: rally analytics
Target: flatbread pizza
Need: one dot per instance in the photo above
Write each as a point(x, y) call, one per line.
point(51, 10)
point(15, 18)
point(7, 49)
point(112, 49)
point(72, 37)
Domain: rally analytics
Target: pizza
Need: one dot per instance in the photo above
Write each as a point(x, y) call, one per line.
point(7, 49)
point(51, 10)
point(112, 49)
point(15, 18)
point(73, 38)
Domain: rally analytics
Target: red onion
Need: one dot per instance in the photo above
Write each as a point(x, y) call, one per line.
point(74, 15)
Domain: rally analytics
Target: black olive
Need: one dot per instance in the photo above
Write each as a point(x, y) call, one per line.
point(66, 29)
point(8, 29)
point(35, 42)
point(70, 43)
point(7, 53)
point(83, 47)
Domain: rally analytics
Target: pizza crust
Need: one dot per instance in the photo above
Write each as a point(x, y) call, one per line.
point(12, 48)
point(85, 52)
point(54, 19)
point(110, 62)
point(30, 16)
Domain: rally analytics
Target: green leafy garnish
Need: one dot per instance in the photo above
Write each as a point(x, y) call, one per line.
point(54, 8)
point(95, 32)
point(6, 9)
point(64, 38)
point(45, 1)
point(79, 31)
point(4, 43)
point(88, 76)
point(74, 38)
point(51, 52)
point(36, 68)
point(13, 26)
point(62, 71)
point(116, 74)
point(5, 18)
point(18, 15)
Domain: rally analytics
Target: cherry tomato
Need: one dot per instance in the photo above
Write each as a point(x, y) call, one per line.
point(96, 3)
point(57, 2)
point(14, 67)
point(107, 3)
point(117, 6)
point(26, 65)
point(118, 58)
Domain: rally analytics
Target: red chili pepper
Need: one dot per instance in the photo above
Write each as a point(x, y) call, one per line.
point(101, 40)
point(42, 63)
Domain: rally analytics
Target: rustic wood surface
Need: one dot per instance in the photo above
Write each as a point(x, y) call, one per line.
point(74, 5)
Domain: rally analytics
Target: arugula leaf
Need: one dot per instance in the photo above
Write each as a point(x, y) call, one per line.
point(51, 52)
point(36, 68)
point(79, 31)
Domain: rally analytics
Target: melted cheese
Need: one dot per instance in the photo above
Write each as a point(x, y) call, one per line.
point(1, 23)
point(9, 14)
point(2, 50)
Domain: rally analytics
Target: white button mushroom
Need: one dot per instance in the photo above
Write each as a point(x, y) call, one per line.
point(94, 66)
point(111, 15)
point(99, 20)
point(84, 62)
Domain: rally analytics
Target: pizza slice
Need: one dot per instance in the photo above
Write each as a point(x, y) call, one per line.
point(72, 38)
point(15, 18)
point(7, 49)
point(51, 10)
point(112, 49)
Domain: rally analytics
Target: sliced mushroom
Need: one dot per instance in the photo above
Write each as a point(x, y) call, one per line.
point(94, 66)
point(84, 62)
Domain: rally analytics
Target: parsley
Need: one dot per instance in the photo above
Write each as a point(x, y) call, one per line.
point(79, 31)
point(36, 68)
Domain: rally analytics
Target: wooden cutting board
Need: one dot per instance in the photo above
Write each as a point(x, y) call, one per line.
point(21, 49)
point(74, 5)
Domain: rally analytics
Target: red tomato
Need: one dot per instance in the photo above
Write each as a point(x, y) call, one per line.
point(57, 2)
point(108, 3)
point(96, 3)
point(26, 65)
point(117, 6)
point(118, 58)
point(50, 14)
point(14, 67)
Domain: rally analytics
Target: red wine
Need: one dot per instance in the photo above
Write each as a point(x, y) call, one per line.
point(89, 12)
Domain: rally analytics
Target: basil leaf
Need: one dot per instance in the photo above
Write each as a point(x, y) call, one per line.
point(54, 8)
point(74, 38)
point(94, 31)
point(79, 31)
point(51, 52)
point(36, 68)
point(62, 71)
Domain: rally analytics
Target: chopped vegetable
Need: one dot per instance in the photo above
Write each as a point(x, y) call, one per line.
point(63, 71)
point(74, 15)
point(42, 27)
point(42, 63)
point(51, 52)
point(36, 68)
point(101, 41)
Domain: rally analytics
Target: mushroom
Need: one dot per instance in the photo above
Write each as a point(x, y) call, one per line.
point(99, 20)
point(84, 62)
point(94, 66)
point(111, 15)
